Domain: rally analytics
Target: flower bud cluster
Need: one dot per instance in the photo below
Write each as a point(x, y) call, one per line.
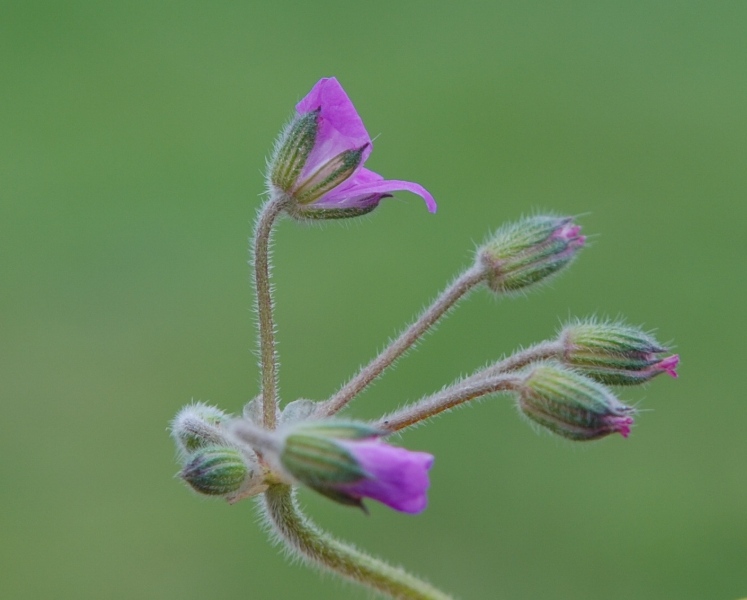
point(212, 463)
point(317, 171)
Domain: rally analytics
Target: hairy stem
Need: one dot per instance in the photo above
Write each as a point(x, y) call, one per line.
point(258, 439)
point(495, 378)
point(267, 352)
point(461, 286)
point(306, 539)
point(542, 351)
point(446, 399)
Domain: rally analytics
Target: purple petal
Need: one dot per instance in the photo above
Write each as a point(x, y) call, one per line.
point(339, 126)
point(669, 365)
point(398, 477)
point(366, 184)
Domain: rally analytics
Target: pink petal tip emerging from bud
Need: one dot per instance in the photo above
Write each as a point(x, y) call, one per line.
point(571, 234)
point(569, 231)
point(669, 365)
point(620, 425)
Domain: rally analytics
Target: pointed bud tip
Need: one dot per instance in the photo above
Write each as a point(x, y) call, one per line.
point(621, 425)
point(568, 232)
point(670, 364)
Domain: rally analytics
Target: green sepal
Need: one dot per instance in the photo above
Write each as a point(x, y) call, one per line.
point(594, 338)
point(315, 460)
point(294, 149)
point(339, 497)
point(330, 175)
point(312, 213)
point(197, 426)
point(609, 376)
point(341, 430)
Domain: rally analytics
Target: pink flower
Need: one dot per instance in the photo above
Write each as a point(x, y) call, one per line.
point(394, 476)
point(319, 160)
point(346, 461)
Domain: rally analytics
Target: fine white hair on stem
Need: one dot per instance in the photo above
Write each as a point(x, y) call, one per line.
point(303, 539)
point(460, 287)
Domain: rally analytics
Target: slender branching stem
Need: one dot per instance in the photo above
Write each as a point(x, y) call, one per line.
point(458, 289)
point(542, 351)
point(307, 540)
point(446, 399)
point(268, 356)
point(498, 377)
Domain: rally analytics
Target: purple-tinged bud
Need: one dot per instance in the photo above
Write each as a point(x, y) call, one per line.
point(529, 251)
point(347, 462)
point(198, 425)
point(615, 353)
point(571, 405)
point(216, 471)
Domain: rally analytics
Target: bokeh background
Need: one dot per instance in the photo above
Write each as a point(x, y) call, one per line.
point(132, 141)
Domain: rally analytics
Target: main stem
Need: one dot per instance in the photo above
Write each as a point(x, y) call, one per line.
point(267, 352)
point(310, 542)
point(448, 298)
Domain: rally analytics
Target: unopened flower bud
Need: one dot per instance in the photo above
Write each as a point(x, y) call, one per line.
point(571, 405)
point(216, 470)
point(529, 251)
point(615, 353)
point(198, 425)
point(346, 462)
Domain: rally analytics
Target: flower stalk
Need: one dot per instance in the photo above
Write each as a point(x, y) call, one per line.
point(448, 398)
point(458, 289)
point(267, 352)
point(309, 542)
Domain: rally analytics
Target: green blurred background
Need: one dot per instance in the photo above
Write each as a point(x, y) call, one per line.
point(132, 140)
